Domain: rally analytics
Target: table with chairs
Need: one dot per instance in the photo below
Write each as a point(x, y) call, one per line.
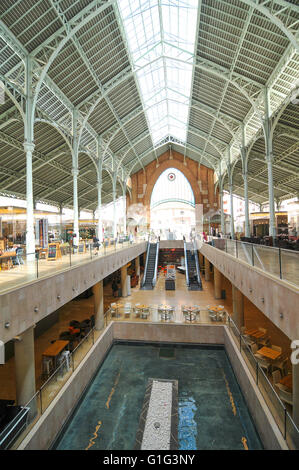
point(166, 312)
point(190, 312)
point(216, 312)
point(142, 311)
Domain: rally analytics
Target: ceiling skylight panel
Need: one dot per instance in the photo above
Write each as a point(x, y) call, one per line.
point(161, 36)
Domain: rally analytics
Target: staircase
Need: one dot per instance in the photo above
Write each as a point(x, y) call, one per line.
point(193, 279)
point(150, 273)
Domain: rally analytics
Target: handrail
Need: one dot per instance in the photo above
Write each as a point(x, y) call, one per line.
point(146, 262)
point(259, 371)
point(186, 263)
point(253, 257)
point(196, 263)
point(156, 263)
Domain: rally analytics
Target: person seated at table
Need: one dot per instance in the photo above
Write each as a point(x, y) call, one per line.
point(96, 245)
point(19, 252)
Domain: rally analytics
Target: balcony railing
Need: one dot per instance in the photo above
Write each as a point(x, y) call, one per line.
point(19, 269)
point(281, 263)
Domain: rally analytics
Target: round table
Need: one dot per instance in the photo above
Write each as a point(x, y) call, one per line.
point(191, 311)
point(166, 311)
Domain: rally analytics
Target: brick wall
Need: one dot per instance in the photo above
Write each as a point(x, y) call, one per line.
point(200, 178)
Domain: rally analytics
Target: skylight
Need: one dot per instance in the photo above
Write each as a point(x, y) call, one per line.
point(161, 37)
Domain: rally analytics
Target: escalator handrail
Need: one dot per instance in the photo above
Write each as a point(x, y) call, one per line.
point(156, 264)
point(196, 263)
point(146, 262)
point(186, 264)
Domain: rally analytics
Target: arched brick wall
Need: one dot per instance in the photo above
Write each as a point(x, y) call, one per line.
point(200, 178)
point(179, 166)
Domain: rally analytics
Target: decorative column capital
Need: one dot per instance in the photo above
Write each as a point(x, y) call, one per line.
point(29, 146)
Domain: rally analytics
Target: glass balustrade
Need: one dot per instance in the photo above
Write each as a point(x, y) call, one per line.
point(280, 262)
point(19, 269)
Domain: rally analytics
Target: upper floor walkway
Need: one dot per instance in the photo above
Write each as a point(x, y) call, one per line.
point(279, 262)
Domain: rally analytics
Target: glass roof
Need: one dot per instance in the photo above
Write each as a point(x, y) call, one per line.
point(161, 40)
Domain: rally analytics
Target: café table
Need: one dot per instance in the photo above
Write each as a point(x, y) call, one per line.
point(6, 258)
point(217, 311)
point(116, 307)
point(269, 353)
point(165, 311)
point(190, 311)
point(54, 350)
point(144, 310)
point(250, 332)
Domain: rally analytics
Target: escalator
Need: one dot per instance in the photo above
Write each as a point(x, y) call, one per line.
point(193, 279)
point(151, 266)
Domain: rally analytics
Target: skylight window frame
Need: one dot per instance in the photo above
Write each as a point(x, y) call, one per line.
point(148, 49)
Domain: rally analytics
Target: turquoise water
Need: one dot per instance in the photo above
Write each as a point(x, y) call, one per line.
point(212, 410)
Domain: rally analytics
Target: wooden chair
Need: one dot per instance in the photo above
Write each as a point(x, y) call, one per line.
point(281, 365)
point(276, 348)
point(263, 363)
point(254, 348)
point(276, 376)
point(264, 342)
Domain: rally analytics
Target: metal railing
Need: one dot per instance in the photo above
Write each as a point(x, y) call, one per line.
point(281, 415)
point(156, 263)
point(281, 263)
point(186, 263)
point(39, 403)
point(31, 266)
point(146, 261)
point(197, 263)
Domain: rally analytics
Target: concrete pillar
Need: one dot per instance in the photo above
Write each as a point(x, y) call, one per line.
point(201, 260)
point(123, 281)
point(238, 307)
point(295, 373)
point(25, 366)
point(217, 283)
point(137, 265)
point(98, 297)
point(207, 269)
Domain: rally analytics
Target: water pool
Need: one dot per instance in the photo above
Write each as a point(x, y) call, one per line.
point(212, 410)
